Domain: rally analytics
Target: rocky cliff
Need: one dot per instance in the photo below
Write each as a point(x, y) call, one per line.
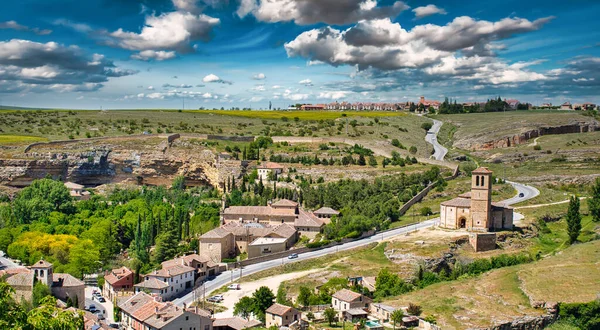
point(481, 143)
point(110, 162)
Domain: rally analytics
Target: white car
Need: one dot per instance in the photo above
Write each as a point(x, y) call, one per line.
point(234, 286)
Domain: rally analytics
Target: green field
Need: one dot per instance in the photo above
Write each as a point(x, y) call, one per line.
point(20, 139)
point(302, 115)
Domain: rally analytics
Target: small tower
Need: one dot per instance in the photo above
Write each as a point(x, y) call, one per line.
point(42, 272)
point(481, 199)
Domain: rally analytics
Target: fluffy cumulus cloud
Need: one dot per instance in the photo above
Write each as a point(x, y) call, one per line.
point(259, 76)
point(306, 82)
point(147, 55)
point(428, 10)
point(334, 95)
point(13, 25)
point(177, 94)
point(462, 48)
point(212, 78)
point(54, 67)
point(305, 12)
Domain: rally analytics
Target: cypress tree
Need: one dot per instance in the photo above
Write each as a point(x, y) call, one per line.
point(573, 219)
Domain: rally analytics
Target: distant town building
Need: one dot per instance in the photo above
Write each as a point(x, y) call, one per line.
point(62, 286)
point(312, 107)
point(269, 169)
point(144, 312)
point(429, 103)
point(281, 315)
point(234, 323)
point(566, 106)
point(474, 211)
point(77, 191)
point(118, 282)
point(345, 300)
point(512, 103)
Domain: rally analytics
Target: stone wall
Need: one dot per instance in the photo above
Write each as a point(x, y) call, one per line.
point(482, 241)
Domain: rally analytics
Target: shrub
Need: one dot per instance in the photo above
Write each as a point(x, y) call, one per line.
point(412, 150)
point(414, 309)
point(537, 147)
point(425, 211)
point(426, 126)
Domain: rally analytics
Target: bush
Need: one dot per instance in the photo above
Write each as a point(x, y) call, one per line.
point(537, 147)
point(414, 309)
point(426, 126)
point(413, 150)
point(425, 211)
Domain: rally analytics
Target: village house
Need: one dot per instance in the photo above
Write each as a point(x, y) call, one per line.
point(326, 213)
point(566, 106)
point(349, 304)
point(474, 211)
point(429, 103)
point(235, 323)
point(382, 312)
point(203, 265)
point(312, 107)
point(512, 103)
point(144, 312)
point(118, 282)
point(169, 282)
point(233, 238)
point(62, 286)
point(281, 316)
point(77, 191)
point(269, 171)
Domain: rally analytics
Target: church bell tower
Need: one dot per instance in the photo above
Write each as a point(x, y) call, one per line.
point(481, 199)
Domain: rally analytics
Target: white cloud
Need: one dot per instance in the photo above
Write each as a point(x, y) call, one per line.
point(334, 95)
point(289, 95)
point(259, 76)
point(276, 87)
point(13, 25)
point(306, 12)
point(150, 88)
point(259, 88)
point(160, 55)
point(428, 10)
point(212, 78)
point(256, 99)
point(306, 82)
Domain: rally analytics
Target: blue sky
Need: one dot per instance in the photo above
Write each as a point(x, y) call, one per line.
point(245, 53)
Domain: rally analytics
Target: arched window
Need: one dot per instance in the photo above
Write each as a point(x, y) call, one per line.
point(477, 181)
point(483, 180)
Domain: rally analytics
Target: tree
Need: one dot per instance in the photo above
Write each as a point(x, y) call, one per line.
point(84, 257)
point(426, 126)
point(304, 296)
point(42, 197)
point(263, 299)
point(573, 219)
point(425, 211)
point(372, 161)
point(594, 201)
point(361, 160)
point(329, 314)
point(414, 309)
point(412, 150)
point(397, 316)
point(178, 183)
point(166, 246)
point(39, 292)
point(244, 307)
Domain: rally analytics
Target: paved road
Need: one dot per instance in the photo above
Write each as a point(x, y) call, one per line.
point(226, 277)
point(106, 308)
point(6, 263)
point(431, 137)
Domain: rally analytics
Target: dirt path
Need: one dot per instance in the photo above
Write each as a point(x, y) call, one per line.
point(535, 142)
point(248, 288)
point(546, 204)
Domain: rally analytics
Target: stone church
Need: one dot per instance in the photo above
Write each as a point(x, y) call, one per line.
point(474, 210)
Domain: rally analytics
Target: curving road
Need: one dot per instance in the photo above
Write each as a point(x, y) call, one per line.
point(228, 276)
point(431, 137)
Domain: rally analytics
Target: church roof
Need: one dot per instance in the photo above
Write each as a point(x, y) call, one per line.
point(42, 264)
point(458, 202)
point(482, 170)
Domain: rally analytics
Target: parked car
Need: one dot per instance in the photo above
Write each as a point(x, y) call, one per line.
point(293, 256)
point(235, 286)
point(114, 325)
point(521, 195)
point(101, 317)
point(92, 307)
point(216, 299)
point(101, 299)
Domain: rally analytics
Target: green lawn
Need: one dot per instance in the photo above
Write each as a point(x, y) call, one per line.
point(20, 139)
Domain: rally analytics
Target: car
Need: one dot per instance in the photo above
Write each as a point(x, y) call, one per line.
point(521, 195)
point(215, 299)
point(101, 299)
point(96, 311)
point(293, 256)
point(101, 317)
point(234, 286)
point(210, 277)
point(114, 325)
point(92, 307)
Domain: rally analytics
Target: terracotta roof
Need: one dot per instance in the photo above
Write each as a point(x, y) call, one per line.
point(13, 271)
point(356, 311)
point(482, 170)
point(65, 280)
point(458, 202)
point(73, 185)
point(284, 230)
point(21, 279)
point(346, 295)
point(41, 264)
point(326, 210)
point(236, 323)
point(278, 309)
point(199, 311)
point(387, 308)
point(306, 219)
point(285, 202)
point(270, 165)
point(257, 210)
point(135, 302)
point(187, 260)
point(267, 241)
point(465, 195)
point(152, 283)
point(116, 274)
point(216, 233)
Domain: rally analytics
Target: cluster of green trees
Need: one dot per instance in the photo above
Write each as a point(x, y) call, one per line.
point(255, 305)
point(43, 315)
point(366, 205)
point(389, 284)
point(43, 221)
point(581, 315)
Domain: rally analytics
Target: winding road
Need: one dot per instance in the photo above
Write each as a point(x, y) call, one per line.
point(229, 276)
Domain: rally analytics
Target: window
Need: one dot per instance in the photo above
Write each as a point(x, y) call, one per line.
point(477, 181)
point(483, 180)
point(187, 318)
